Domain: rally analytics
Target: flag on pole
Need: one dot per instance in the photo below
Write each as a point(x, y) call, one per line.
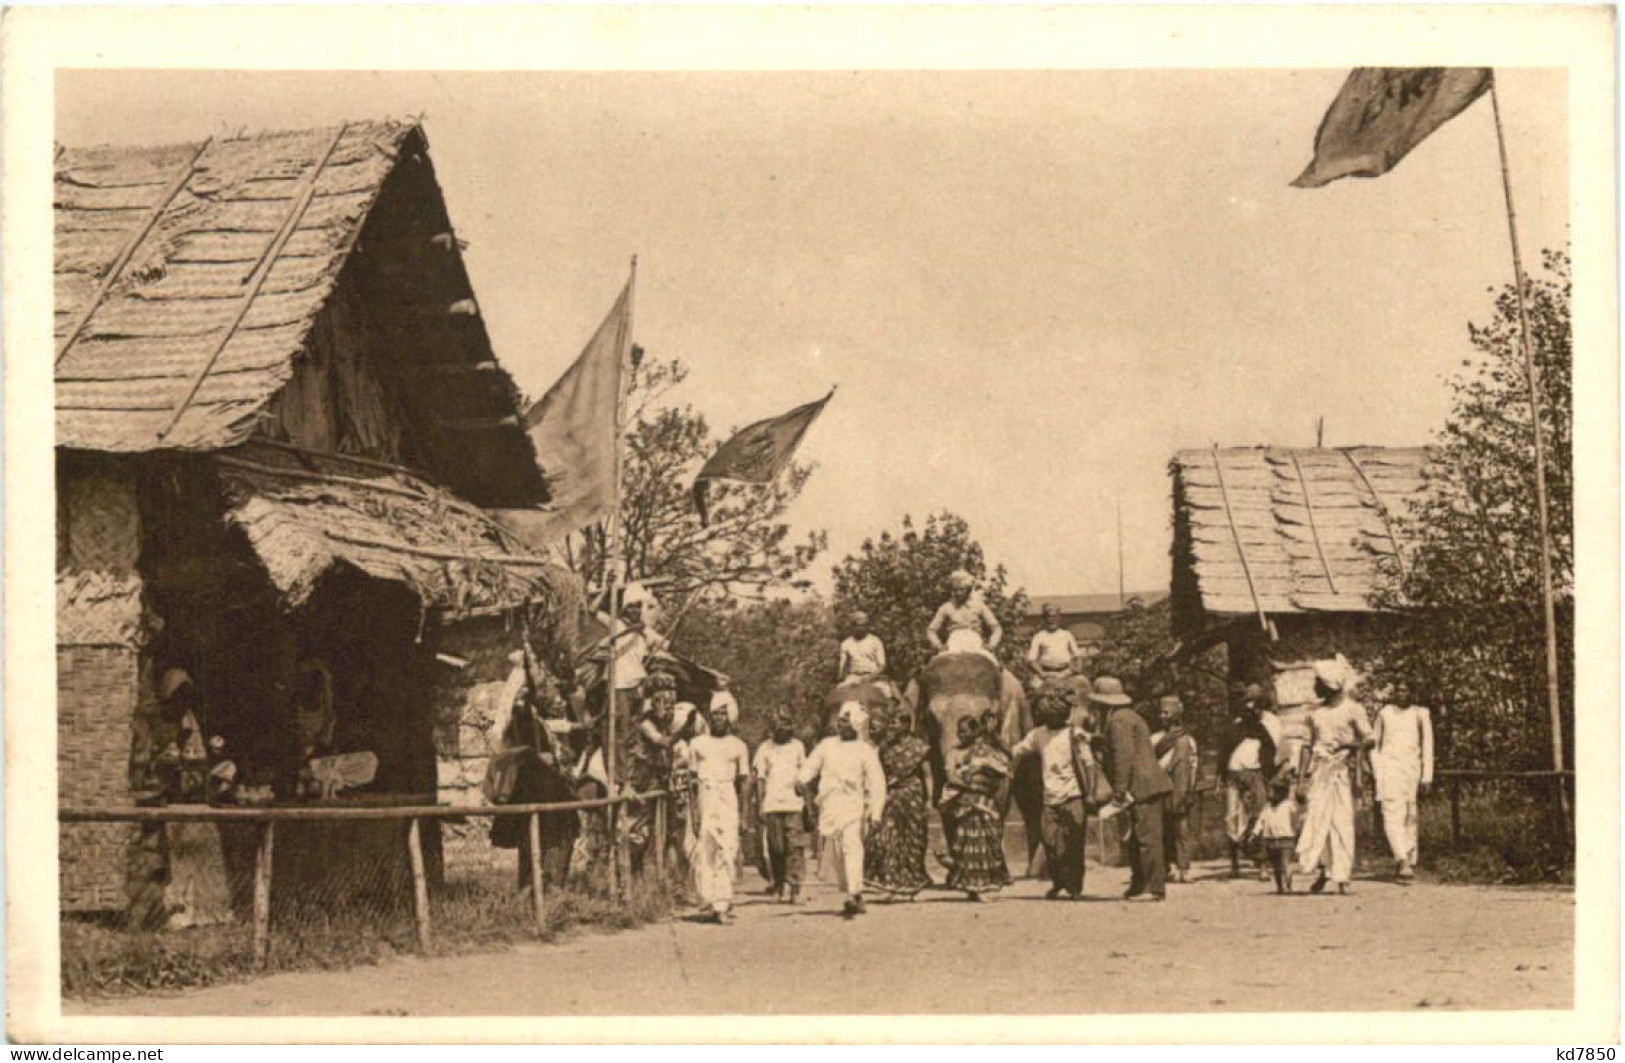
point(574, 428)
point(759, 452)
point(1384, 112)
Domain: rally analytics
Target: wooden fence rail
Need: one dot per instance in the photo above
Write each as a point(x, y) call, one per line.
point(269, 817)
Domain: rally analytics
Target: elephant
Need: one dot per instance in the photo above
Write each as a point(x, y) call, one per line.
point(955, 685)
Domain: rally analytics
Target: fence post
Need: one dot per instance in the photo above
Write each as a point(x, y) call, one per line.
point(623, 860)
point(420, 885)
point(612, 842)
point(262, 894)
point(660, 837)
point(537, 902)
point(1455, 813)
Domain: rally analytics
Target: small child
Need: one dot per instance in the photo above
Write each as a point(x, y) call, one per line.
point(1277, 829)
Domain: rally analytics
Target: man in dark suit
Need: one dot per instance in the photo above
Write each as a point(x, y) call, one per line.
point(1140, 788)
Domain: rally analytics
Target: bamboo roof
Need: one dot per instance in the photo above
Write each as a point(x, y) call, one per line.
point(305, 515)
point(1268, 530)
point(189, 277)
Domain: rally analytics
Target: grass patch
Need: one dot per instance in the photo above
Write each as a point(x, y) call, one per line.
point(469, 915)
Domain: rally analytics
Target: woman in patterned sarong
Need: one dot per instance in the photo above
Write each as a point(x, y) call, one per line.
point(894, 851)
point(977, 774)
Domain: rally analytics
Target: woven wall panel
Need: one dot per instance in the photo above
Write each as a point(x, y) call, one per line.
point(98, 689)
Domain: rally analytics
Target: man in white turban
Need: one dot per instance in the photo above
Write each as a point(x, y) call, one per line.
point(964, 623)
point(1338, 734)
point(851, 796)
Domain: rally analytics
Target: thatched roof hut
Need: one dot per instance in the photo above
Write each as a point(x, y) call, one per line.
point(279, 422)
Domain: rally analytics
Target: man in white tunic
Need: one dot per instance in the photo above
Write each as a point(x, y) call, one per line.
point(851, 796)
point(721, 767)
point(1402, 764)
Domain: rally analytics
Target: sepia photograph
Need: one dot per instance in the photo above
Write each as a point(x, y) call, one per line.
point(921, 539)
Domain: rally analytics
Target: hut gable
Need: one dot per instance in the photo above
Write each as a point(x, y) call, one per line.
point(1277, 530)
point(304, 286)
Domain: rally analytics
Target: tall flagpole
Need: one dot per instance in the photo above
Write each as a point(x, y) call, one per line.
point(612, 561)
point(1533, 375)
point(1121, 599)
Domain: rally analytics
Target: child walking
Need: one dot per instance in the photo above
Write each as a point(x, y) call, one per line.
point(1277, 830)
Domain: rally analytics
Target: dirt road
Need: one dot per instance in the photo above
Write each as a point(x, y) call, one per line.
point(1215, 944)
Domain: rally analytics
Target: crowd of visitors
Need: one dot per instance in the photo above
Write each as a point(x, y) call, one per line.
point(865, 795)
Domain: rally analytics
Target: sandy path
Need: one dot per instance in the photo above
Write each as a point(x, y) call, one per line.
point(1214, 945)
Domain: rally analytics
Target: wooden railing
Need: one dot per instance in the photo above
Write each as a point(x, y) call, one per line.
point(268, 817)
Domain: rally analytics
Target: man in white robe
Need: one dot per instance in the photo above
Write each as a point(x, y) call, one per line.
point(851, 796)
point(1402, 764)
point(721, 766)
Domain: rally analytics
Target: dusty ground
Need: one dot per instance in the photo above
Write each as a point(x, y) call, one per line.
point(1215, 944)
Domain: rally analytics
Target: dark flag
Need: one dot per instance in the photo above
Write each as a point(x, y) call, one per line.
point(574, 428)
point(1384, 112)
point(759, 452)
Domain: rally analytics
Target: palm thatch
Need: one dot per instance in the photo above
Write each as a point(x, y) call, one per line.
point(1272, 530)
point(304, 515)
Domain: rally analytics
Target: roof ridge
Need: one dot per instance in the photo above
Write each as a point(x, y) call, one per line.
point(240, 135)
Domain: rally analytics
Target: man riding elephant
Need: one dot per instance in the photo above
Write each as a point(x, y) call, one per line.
point(964, 623)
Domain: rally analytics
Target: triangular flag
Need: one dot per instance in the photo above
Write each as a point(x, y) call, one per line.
point(1382, 113)
point(758, 452)
point(574, 429)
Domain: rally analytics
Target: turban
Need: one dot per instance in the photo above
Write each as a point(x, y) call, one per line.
point(173, 681)
point(657, 682)
point(852, 713)
point(961, 578)
point(724, 702)
point(1337, 674)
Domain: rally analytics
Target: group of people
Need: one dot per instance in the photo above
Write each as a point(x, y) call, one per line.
point(1296, 801)
point(867, 791)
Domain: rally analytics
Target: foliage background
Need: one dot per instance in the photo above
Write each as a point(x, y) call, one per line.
point(1473, 644)
point(900, 580)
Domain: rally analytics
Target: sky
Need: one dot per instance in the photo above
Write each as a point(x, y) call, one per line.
point(1031, 287)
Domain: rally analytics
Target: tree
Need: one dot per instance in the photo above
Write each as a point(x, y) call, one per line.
point(1140, 649)
point(899, 580)
point(776, 654)
point(747, 548)
point(1474, 645)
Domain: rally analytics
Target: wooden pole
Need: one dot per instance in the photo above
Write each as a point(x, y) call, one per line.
point(612, 546)
point(1455, 814)
point(538, 902)
point(262, 895)
point(660, 837)
point(420, 885)
point(1122, 599)
point(1553, 702)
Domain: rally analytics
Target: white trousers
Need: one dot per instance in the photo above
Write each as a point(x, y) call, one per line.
point(717, 847)
point(1328, 825)
point(714, 872)
point(846, 847)
point(1399, 823)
